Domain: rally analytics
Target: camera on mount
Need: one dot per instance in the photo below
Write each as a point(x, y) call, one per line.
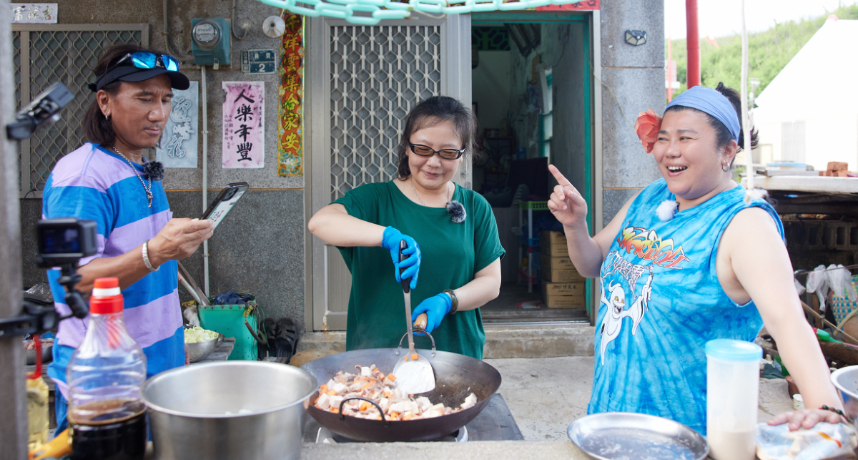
point(65, 241)
point(62, 243)
point(45, 108)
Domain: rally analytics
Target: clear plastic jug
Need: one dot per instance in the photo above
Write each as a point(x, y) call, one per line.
point(732, 391)
point(106, 414)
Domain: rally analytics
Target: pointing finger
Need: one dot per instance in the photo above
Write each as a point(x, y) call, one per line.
point(561, 179)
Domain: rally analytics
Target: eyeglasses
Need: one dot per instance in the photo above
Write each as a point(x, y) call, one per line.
point(147, 60)
point(447, 154)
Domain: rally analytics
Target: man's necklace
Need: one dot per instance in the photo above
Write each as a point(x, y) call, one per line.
point(143, 183)
point(418, 196)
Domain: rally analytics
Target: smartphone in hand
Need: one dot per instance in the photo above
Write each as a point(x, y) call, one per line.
point(224, 202)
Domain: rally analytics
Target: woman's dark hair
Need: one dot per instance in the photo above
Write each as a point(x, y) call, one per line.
point(722, 134)
point(429, 113)
point(98, 129)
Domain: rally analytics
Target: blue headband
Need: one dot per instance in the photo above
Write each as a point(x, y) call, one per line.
point(712, 102)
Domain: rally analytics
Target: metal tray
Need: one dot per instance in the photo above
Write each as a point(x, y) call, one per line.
point(622, 435)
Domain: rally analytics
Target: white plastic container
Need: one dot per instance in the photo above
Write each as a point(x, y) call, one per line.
point(732, 387)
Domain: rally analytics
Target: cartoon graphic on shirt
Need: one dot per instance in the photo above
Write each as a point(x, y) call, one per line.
point(612, 323)
point(643, 244)
point(647, 245)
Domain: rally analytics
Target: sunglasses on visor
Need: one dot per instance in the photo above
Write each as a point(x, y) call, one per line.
point(146, 60)
point(142, 60)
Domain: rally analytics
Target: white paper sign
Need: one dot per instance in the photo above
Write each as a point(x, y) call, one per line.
point(244, 124)
point(180, 143)
point(34, 13)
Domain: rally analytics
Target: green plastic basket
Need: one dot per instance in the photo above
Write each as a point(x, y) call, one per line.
point(233, 321)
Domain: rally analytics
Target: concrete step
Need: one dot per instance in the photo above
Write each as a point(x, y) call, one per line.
point(502, 340)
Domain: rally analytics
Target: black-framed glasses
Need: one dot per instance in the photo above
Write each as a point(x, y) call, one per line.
point(447, 154)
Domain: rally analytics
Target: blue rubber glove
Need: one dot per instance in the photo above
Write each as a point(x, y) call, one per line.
point(390, 240)
point(435, 307)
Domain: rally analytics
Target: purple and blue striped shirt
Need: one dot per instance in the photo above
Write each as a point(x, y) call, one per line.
point(94, 183)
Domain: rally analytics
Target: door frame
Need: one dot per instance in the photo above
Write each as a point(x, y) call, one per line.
point(593, 168)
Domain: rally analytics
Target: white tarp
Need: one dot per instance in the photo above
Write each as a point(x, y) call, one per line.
point(818, 82)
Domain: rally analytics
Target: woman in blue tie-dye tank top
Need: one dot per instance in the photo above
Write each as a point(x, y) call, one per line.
point(686, 261)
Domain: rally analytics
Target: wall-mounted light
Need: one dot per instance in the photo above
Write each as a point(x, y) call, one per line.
point(636, 37)
point(273, 26)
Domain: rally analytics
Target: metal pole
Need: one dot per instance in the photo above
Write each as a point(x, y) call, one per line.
point(205, 154)
point(692, 40)
point(13, 398)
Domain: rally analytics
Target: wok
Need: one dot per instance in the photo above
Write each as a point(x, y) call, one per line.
point(456, 377)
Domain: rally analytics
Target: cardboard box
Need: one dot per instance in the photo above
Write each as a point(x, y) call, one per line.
point(562, 276)
point(556, 263)
point(552, 299)
point(553, 244)
point(549, 289)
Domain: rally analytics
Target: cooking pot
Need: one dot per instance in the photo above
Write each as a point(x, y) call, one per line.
point(228, 410)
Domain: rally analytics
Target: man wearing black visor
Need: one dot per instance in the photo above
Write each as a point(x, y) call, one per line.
point(109, 181)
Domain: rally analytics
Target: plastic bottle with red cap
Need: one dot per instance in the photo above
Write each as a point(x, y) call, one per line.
point(107, 417)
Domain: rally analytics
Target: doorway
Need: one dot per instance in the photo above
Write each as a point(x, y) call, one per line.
point(532, 94)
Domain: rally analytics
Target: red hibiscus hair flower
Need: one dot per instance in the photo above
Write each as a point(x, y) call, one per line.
point(647, 126)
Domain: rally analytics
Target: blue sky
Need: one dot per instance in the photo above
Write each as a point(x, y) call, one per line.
point(722, 17)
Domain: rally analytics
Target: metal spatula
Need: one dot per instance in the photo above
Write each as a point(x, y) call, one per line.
point(414, 373)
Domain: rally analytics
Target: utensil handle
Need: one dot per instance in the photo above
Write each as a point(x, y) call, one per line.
point(420, 322)
point(406, 283)
point(343, 402)
point(406, 289)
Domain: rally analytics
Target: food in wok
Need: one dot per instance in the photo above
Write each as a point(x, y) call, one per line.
point(370, 383)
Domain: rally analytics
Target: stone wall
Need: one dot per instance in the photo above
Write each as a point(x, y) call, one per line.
point(633, 78)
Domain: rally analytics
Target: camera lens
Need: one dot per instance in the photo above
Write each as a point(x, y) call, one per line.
point(230, 194)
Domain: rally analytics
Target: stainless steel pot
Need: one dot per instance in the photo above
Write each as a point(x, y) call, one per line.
point(228, 410)
point(846, 381)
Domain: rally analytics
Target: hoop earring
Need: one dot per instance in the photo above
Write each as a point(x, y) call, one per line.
point(725, 167)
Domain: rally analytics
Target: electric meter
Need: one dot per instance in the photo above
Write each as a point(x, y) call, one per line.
point(210, 41)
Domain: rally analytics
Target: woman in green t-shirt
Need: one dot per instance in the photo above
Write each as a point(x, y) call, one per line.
point(452, 238)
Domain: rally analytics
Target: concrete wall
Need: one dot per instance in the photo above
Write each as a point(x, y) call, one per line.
point(259, 248)
point(634, 77)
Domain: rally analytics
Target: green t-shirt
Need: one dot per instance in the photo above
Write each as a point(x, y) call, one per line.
point(451, 254)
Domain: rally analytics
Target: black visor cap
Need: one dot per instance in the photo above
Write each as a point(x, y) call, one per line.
point(178, 80)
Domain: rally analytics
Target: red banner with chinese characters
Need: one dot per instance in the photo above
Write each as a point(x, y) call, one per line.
point(290, 148)
point(583, 5)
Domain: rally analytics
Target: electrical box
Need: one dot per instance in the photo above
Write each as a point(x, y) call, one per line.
point(210, 41)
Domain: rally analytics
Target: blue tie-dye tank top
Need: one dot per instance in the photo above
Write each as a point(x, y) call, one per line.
point(661, 302)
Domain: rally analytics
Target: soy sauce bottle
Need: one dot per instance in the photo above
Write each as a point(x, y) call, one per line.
point(106, 414)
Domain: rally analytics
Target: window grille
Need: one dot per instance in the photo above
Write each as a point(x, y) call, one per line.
point(48, 53)
point(377, 75)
